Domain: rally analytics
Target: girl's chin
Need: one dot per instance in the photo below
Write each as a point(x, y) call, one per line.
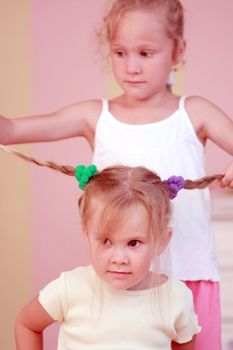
point(137, 96)
point(121, 285)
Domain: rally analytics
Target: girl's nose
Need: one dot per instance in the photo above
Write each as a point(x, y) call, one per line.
point(119, 256)
point(133, 65)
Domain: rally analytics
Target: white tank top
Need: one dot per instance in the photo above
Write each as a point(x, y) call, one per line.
point(168, 147)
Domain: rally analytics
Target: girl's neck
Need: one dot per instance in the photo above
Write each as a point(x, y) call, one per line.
point(156, 100)
point(152, 280)
point(132, 111)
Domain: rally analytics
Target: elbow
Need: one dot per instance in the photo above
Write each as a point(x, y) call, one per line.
point(19, 330)
point(26, 337)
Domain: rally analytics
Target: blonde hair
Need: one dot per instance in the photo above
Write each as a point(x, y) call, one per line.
point(123, 186)
point(70, 170)
point(170, 10)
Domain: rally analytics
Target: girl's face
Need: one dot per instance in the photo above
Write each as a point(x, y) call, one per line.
point(142, 54)
point(122, 258)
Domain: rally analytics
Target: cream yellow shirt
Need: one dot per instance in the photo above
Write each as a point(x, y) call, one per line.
point(94, 316)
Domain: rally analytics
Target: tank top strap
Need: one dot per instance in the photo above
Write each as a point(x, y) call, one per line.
point(103, 118)
point(182, 102)
point(104, 105)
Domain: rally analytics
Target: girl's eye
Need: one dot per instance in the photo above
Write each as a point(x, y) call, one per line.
point(146, 53)
point(134, 243)
point(119, 53)
point(107, 242)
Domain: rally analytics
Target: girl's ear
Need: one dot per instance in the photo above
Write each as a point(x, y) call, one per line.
point(179, 52)
point(85, 235)
point(165, 239)
point(84, 229)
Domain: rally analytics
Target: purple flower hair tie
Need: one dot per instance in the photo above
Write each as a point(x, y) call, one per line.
point(174, 185)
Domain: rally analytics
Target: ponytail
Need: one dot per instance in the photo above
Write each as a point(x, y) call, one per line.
point(69, 170)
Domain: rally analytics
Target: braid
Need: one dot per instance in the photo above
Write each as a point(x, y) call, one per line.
point(65, 169)
point(202, 183)
point(69, 170)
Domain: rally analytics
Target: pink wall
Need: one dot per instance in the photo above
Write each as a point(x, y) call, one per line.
point(209, 57)
point(64, 71)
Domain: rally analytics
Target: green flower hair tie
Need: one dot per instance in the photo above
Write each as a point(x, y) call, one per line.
point(83, 174)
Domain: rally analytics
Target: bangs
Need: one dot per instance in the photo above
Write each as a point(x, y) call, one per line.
point(111, 196)
point(115, 212)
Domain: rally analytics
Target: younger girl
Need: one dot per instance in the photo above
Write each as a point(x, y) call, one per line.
point(149, 126)
point(116, 303)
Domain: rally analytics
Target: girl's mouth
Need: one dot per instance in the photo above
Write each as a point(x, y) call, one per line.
point(120, 272)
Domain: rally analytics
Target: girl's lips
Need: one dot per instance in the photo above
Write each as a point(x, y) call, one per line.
point(120, 272)
point(134, 82)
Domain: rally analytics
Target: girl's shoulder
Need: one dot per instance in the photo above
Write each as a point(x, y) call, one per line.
point(87, 113)
point(203, 113)
point(200, 108)
point(179, 287)
point(196, 103)
point(90, 109)
point(80, 276)
point(181, 295)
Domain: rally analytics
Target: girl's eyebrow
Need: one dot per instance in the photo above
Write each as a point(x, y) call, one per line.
point(117, 45)
point(137, 236)
point(101, 235)
point(127, 237)
point(142, 46)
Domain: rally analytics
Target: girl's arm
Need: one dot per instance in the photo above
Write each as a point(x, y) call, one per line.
point(212, 123)
point(30, 323)
point(184, 346)
point(76, 120)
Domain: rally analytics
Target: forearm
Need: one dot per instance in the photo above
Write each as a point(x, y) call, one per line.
point(27, 129)
point(38, 128)
point(27, 339)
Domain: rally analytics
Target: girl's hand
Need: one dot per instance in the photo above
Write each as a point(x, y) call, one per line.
point(227, 180)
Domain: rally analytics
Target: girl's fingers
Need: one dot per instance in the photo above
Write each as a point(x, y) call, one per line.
point(231, 184)
point(227, 180)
